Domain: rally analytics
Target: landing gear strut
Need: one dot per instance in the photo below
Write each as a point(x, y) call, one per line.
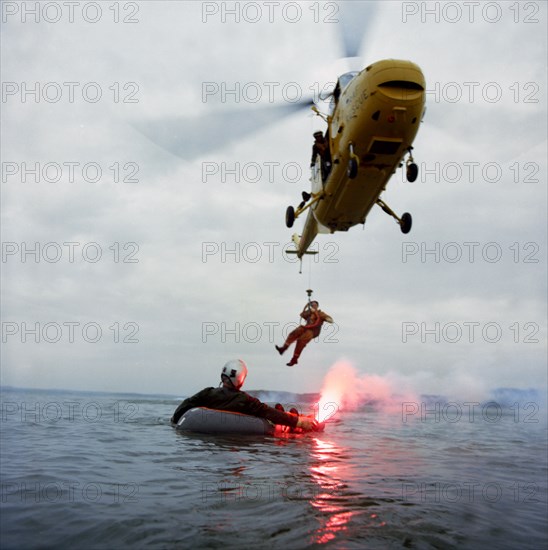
point(353, 163)
point(405, 221)
point(291, 214)
point(411, 169)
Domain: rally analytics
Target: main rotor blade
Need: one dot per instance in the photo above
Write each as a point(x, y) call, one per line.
point(355, 19)
point(190, 137)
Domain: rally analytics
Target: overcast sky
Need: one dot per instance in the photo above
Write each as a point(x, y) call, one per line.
point(147, 249)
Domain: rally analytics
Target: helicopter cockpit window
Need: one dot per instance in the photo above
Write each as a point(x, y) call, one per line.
point(342, 83)
point(345, 79)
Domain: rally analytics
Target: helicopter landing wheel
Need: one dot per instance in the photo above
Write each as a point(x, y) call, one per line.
point(352, 169)
point(412, 172)
point(289, 216)
point(406, 223)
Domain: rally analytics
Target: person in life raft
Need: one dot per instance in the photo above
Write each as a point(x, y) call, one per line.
point(229, 397)
point(314, 318)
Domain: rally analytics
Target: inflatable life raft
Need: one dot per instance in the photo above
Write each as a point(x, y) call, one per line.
point(210, 421)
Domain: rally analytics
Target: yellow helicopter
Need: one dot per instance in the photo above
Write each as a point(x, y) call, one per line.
point(374, 117)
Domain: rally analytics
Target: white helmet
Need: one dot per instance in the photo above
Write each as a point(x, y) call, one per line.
point(235, 371)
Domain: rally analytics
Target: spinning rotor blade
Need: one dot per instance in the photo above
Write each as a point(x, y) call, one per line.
point(355, 19)
point(190, 137)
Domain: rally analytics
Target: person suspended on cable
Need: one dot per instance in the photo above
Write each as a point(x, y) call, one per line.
point(302, 335)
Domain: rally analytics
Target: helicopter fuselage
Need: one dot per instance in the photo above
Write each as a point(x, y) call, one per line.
point(375, 119)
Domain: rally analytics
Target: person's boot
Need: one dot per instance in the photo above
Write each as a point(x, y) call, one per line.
point(292, 362)
point(281, 349)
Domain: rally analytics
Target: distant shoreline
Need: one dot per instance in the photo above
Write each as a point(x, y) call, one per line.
point(259, 394)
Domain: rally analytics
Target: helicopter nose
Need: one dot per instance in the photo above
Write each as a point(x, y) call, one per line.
point(401, 80)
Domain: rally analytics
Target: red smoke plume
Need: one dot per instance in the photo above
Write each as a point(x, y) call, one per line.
point(344, 388)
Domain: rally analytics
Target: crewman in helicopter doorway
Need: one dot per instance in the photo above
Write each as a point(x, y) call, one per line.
point(320, 148)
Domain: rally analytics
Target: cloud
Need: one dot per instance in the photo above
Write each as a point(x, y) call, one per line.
point(209, 245)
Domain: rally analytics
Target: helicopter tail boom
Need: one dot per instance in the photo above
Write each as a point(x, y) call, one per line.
point(310, 231)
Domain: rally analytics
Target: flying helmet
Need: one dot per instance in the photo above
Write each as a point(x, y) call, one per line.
point(235, 371)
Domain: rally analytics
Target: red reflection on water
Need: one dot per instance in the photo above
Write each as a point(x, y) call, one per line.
point(327, 470)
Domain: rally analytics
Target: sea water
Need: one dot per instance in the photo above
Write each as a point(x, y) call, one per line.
point(85, 470)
